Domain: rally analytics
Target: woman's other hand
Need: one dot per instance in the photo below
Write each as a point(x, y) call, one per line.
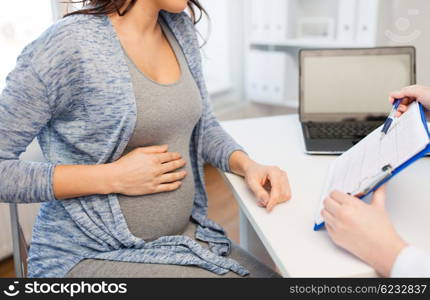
point(269, 183)
point(409, 94)
point(147, 170)
point(363, 229)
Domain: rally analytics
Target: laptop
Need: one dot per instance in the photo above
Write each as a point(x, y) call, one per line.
point(344, 93)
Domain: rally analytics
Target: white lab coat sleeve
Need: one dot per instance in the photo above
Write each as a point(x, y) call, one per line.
point(412, 262)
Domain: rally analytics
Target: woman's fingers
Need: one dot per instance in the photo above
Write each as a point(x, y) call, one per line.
point(275, 191)
point(286, 187)
point(259, 192)
point(167, 156)
point(150, 170)
point(154, 149)
point(167, 187)
point(172, 177)
point(281, 191)
point(172, 165)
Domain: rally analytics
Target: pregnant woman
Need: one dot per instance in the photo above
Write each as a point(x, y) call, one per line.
point(116, 97)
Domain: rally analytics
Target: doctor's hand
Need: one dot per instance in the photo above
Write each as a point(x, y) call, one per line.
point(410, 94)
point(363, 229)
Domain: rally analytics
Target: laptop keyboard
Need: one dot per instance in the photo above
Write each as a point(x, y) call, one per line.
point(341, 130)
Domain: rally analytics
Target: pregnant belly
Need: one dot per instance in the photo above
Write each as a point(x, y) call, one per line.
point(155, 215)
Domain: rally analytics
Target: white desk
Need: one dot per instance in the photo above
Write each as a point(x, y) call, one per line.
point(286, 235)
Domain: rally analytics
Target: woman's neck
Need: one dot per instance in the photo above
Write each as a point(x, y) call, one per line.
point(142, 19)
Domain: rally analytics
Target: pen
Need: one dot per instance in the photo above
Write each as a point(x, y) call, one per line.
point(390, 118)
point(369, 185)
point(386, 172)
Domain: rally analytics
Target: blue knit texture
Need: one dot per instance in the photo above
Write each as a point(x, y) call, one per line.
point(71, 89)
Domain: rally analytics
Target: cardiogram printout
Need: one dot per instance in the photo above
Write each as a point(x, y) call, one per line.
point(361, 164)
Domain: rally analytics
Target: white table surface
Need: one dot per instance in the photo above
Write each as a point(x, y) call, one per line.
point(287, 233)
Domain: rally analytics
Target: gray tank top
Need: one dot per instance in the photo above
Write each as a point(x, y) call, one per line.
point(166, 114)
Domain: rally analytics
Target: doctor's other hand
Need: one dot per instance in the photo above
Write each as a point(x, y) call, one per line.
point(363, 229)
point(147, 170)
point(269, 184)
point(409, 94)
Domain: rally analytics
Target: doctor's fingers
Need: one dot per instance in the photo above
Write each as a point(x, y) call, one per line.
point(341, 197)
point(407, 94)
point(406, 100)
point(329, 219)
point(331, 205)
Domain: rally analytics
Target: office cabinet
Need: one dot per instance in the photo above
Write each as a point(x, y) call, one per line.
point(280, 28)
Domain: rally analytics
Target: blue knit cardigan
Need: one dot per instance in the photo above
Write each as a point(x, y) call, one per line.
point(72, 90)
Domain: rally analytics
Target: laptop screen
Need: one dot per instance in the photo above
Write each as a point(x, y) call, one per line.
point(353, 83)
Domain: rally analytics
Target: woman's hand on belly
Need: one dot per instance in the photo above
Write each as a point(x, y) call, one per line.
point(146, 170)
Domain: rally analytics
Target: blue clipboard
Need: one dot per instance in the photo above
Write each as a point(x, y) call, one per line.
point(401, 167)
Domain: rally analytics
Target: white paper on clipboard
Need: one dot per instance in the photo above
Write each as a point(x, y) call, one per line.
point(353, 169)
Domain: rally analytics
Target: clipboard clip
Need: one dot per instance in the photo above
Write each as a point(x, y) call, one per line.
point(371, 183)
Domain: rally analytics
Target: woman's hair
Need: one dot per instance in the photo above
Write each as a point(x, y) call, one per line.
point(104, 7)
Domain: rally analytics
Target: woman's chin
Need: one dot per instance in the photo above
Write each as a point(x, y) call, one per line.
point(176, 10)
point(176, 6)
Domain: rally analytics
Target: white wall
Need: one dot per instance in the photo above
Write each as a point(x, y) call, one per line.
point(216, 50)
point(236, 46)
point(407, 22)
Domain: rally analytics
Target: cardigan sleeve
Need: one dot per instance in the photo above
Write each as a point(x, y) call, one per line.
point(218, 145)
point(24, 111)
